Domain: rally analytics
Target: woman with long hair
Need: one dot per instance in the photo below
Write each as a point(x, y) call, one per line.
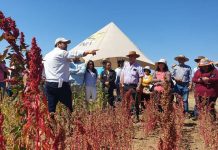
point(90, 79)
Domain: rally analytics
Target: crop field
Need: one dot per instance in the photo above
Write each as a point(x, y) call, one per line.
point(26, 124)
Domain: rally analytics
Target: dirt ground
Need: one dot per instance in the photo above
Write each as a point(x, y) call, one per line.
point(191, 139)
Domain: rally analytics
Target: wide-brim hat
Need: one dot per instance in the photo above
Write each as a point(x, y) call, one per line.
point(181, 57)
point(205, 62)
point(161, 61)
point(199, 58)
point(133, 53)
point(61, 39)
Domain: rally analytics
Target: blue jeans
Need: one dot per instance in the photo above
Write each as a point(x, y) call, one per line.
point(183, 90)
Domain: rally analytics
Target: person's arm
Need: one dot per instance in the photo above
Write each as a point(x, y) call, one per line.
point(96, 76)
point(141, 74)
point(122, 78)
point(139, 85)
point(197, 78)
point(82, 70)
point(101, 77)
point(168, 76)
point(214, 77)
point(190, 79)
point(112, 78)
point(174, 74)
point(76, 53)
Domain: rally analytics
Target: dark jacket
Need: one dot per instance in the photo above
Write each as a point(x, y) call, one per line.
point(108, 77)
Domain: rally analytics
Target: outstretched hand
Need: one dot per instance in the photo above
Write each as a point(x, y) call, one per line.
point(93, 52)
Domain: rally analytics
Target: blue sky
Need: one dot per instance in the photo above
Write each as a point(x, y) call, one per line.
point(160, 28)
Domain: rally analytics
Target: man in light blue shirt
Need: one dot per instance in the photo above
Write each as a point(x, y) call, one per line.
point(77, 71)
point(182, 74)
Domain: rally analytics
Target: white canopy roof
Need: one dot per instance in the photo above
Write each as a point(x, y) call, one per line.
point(113, 44)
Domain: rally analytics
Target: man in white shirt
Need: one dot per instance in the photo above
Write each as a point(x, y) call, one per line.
point(118, 71)
point(56, 67)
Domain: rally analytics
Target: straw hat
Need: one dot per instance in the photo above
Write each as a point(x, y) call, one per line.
point(133, 53)
point(199, 58)
point(205, 62)
point(181, 57)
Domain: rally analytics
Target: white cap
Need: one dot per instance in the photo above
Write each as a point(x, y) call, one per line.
point(147, 67)
point(162, 61)
point(61, 39)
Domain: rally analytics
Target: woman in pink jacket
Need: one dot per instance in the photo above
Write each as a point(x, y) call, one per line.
point(206, 88)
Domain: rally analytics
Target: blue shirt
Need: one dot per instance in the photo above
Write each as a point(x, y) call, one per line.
point(182, 72)
point(77, 72)
point(91, 78)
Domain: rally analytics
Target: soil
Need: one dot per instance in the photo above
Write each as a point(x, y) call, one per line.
point(191, 139)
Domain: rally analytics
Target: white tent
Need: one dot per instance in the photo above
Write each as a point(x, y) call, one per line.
point(113, 44)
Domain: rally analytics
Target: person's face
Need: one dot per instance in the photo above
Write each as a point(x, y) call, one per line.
point(205, 68)
point(161, 66)
point(132, 58)
point(108, 66)
point(147, 72)
point(120, 64)
point(62, 45)
point(90, 65)
point(181, 60)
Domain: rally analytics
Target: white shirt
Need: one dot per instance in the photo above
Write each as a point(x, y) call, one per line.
point(56, 64)
point(118, 71)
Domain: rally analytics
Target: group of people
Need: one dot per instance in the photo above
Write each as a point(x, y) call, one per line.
point(64, 71)
point(66, 76)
